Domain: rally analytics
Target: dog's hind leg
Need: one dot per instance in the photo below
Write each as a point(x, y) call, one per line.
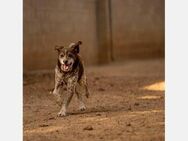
point(86, 90)
point(82, 106)
point(84, 85)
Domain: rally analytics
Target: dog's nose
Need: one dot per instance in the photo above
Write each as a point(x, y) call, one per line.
point(65, 61)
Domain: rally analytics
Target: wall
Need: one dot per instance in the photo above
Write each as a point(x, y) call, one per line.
point(57, 22)
point(137, 28)
point(110, 30)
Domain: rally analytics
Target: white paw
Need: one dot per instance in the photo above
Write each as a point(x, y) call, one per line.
point(82, 108)
point(61, 114)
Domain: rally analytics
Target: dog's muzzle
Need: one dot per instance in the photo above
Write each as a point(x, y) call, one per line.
point(67, 67)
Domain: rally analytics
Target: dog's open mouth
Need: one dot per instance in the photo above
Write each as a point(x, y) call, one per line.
point(66, 67)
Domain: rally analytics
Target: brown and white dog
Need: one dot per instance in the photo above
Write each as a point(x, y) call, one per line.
point(69, 73)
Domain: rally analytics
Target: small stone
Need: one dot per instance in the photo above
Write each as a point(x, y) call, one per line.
point(88, 128)
point(43, 125)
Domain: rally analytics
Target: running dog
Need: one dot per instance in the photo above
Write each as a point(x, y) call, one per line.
point(69, 73)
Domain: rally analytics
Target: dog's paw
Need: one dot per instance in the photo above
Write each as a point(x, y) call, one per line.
point(82, 108)
point(51, 91)
point(61, 114)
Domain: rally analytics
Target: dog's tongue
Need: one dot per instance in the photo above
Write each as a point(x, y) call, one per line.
point(65, 67)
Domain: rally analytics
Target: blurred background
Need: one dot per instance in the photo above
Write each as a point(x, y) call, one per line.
point(111, 30)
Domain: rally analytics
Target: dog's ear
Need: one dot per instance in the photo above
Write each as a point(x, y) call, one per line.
point(58, 48)
point(76, 47)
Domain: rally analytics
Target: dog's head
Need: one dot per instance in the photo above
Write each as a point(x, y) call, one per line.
point(67, 56)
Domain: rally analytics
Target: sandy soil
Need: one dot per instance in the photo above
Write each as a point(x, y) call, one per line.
point(126, 104)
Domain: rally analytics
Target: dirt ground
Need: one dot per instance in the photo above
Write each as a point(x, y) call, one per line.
point(126, 104)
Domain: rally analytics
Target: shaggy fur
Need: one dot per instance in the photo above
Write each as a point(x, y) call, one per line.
point(69, 73)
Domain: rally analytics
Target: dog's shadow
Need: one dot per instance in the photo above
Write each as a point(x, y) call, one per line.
point(99, 110)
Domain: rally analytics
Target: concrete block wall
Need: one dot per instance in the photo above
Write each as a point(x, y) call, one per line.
point(109, 29)
point(58, 22)
point(137, 29)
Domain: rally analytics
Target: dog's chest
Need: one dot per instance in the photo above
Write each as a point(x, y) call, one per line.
point(68, 78)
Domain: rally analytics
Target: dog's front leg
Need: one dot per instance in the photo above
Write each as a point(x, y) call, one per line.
point(56, 92)
point(67, 98)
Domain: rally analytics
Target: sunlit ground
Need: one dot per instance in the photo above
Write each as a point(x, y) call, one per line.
point(150, 97)
point(160, 86)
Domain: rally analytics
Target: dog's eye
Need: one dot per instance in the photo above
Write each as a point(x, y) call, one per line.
point(62, 55)
point(69, 55)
